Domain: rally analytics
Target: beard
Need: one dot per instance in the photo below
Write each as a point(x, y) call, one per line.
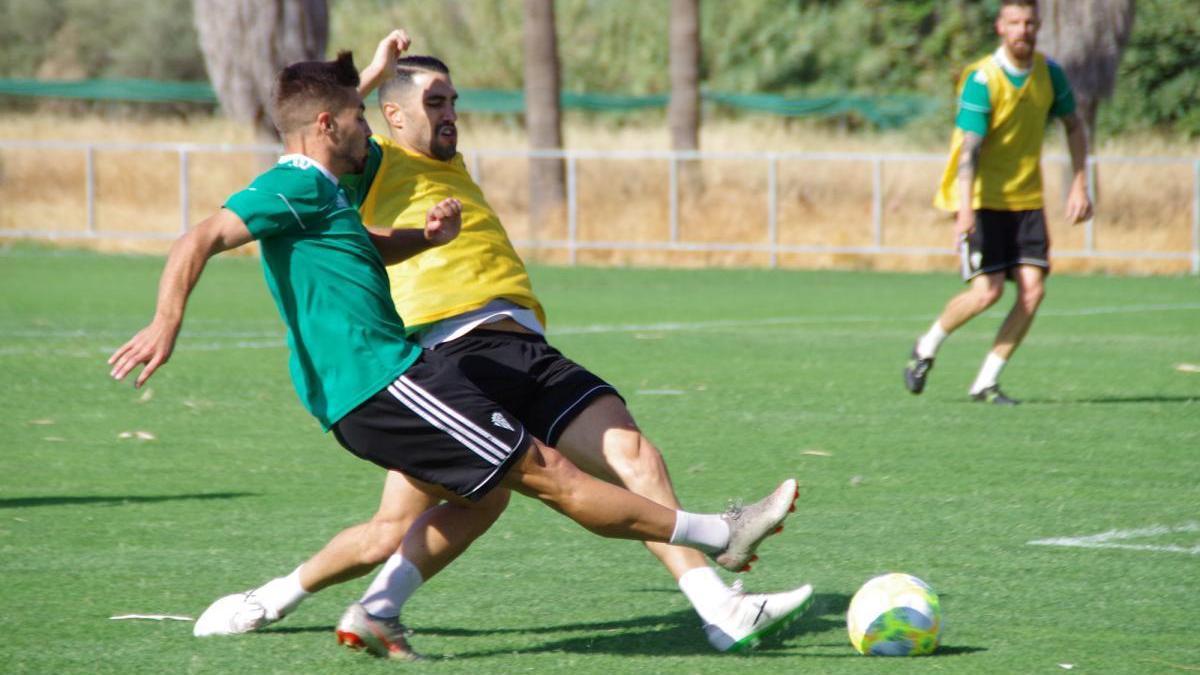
point(444, 147)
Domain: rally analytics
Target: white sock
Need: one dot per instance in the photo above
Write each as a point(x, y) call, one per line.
point(989, 373)
point(709, 533)
point(929, 343)
point(282, 595)
point(707, 593)
point(392, 587)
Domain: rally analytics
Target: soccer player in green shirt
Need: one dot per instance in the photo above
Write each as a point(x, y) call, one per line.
point(385, 399)
point(993, 183)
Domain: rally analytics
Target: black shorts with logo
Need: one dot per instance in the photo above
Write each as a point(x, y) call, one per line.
point(522, 372)
point(1004, 239)
point(434, 425)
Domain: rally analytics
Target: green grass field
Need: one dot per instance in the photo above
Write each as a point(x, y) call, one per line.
point(742, 377)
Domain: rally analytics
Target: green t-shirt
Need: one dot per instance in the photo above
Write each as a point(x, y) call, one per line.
point(974, 106)
point(330, 285)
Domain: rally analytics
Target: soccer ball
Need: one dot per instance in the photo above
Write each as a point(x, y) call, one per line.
point(894, 615)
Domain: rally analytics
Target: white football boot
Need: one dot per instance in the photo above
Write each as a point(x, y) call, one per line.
point(749, 617)
point(385, 638)
point(750, 524)
point(233, 615)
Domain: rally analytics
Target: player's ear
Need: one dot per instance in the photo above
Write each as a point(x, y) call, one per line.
point(394, 114)
point(324, 122)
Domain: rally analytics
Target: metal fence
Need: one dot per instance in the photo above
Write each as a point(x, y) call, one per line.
point(572, 244)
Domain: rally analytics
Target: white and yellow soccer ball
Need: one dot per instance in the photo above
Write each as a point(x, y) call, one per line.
point(894, 615)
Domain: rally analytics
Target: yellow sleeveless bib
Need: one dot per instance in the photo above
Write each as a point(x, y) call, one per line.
point(1009, 176)
point(479, 266)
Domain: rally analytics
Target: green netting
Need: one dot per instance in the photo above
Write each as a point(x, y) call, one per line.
point(883, 111)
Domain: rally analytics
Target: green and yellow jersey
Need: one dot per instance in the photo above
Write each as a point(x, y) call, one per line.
point(1010, 109)
point(396, 190)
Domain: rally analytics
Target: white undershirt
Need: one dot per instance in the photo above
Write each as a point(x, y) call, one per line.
point(1008, 65)
point(458, 326)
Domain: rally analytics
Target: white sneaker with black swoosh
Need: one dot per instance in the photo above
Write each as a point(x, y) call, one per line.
point(750, 617)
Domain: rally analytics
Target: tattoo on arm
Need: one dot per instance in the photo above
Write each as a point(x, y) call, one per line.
point(968, 157)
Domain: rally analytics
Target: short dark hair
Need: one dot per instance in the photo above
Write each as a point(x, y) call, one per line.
point(304, 89)
point(1019, 3)
point(407, 68)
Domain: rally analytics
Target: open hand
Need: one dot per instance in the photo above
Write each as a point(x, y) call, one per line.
point(151, 346)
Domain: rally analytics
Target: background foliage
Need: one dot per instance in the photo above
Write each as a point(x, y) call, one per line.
point(620, 46)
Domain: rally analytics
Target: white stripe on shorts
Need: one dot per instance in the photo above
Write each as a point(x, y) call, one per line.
point(450, 421)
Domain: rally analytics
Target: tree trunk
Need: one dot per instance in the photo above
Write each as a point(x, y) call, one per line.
point(684, 110)
point(547, 181)
point(683, 113)
point(247, 42)
point(1087, 38)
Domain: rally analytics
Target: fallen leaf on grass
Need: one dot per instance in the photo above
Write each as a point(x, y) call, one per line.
point(54, 439)
point(42, 422)
point(817, 453)
point(1187, 367)
point(140, 435)
point(146, 395)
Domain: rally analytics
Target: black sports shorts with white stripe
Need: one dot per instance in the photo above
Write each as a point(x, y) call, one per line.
point(434, 425)
point(529, 377)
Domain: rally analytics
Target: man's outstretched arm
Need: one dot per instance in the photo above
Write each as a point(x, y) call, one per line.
point(1079, 204)
point(152, 345)
point(442, 224)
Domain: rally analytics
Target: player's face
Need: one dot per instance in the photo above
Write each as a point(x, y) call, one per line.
point(430, 120)
point(1018, 27)
point(349, 135)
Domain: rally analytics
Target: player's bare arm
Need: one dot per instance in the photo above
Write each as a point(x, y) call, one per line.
point(968, 166)
point(1079, 204)
point(152, 346)
point(443, 222)
point(383, 63)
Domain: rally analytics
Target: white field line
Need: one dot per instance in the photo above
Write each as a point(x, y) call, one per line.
point(268, 339)
point(1107, 539)
point(794, 320)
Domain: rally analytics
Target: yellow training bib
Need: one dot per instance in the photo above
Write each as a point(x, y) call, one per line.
point(1009, 176)
point(479, 266)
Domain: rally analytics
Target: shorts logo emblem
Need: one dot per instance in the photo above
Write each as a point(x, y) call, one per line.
point(499, 421)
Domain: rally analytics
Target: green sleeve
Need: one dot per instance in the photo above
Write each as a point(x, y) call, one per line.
point(265, 212)
point(284, 199)
point(357, 185)
point(1064, 99)
point(974, 105)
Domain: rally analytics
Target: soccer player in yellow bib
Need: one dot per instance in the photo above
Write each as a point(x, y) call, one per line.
point(472, 301)
point(993, 183)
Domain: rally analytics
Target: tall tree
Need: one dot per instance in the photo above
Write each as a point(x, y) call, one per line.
point(684, 109)
point(247, 42)
point(543, 120)
point(1087, 38)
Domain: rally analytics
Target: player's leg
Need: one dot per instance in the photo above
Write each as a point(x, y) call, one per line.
point(1030, 255)
point(986, 254)
point(357, 550)
point(605, 441)
point(614, 512)
point(1030, 292)
point(983, 292)
point(435, 539)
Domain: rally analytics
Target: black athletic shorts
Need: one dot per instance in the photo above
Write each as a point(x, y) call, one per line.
point(531, 379)
point(433, 424)
point(1004, 239)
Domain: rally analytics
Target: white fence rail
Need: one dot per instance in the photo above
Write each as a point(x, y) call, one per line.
point(573, 243)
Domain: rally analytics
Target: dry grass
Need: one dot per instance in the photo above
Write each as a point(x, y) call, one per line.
point(821, 203)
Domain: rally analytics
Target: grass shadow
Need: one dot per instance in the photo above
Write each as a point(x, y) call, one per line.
point(115, 500)
point(1113, 400)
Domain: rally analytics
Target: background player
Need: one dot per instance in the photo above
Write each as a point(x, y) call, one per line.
point(1005, 101)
